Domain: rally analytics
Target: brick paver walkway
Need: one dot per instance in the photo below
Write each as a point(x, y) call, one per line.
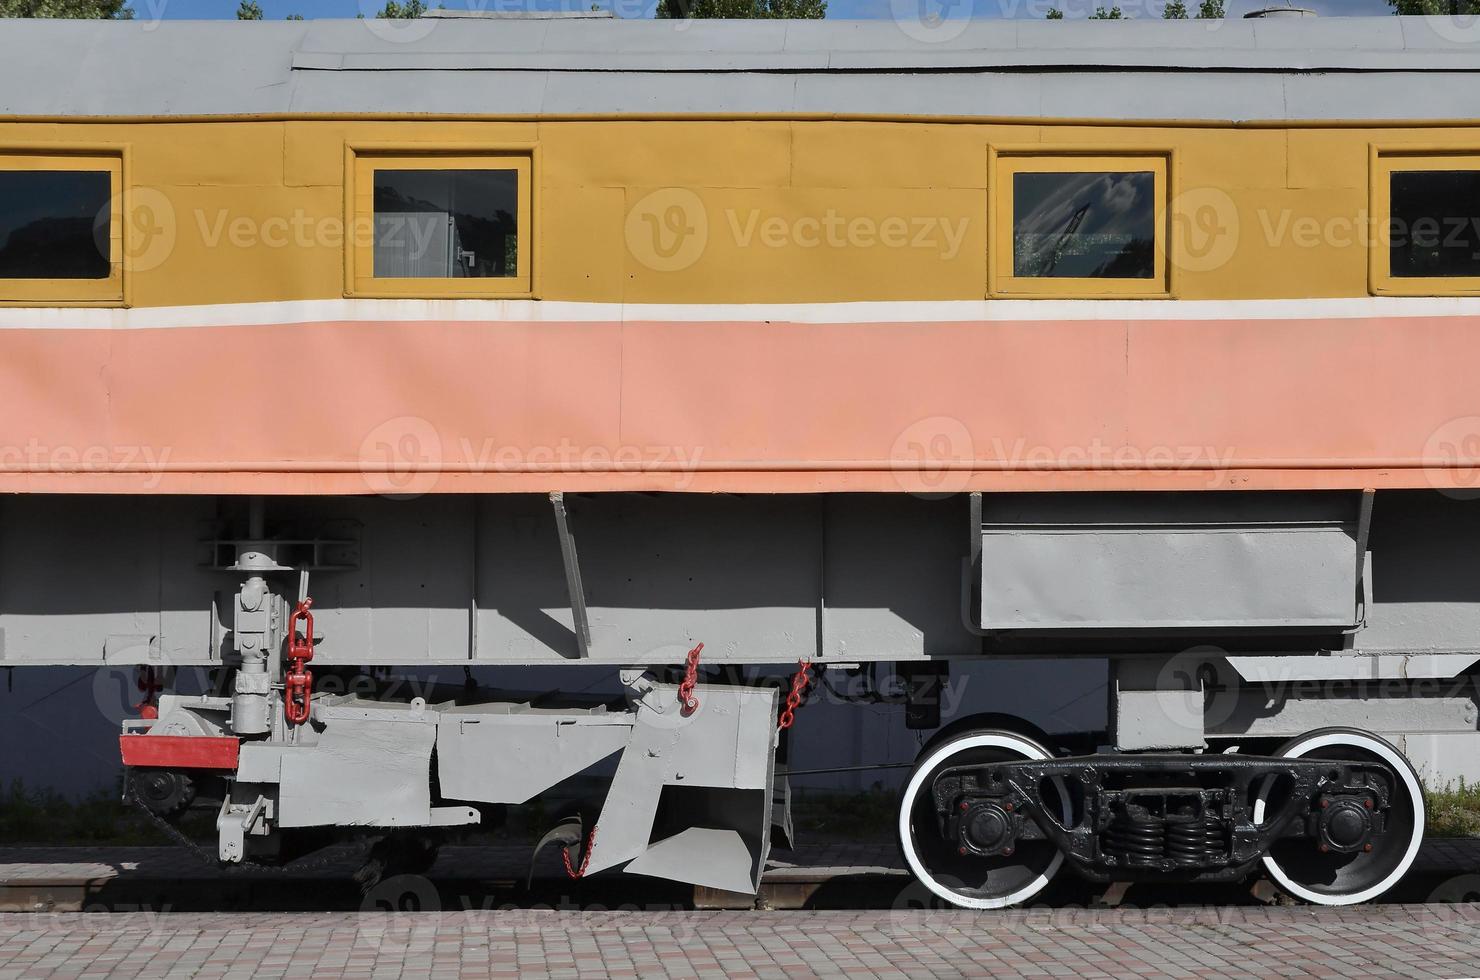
point(1367, 941)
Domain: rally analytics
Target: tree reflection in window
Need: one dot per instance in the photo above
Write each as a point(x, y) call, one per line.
point(54, 224)
point(446, 224)
point(1084, 225)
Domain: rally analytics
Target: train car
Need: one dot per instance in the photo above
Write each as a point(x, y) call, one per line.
point(727, 354)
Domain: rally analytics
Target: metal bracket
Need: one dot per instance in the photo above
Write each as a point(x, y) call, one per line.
point(235, 822)
point(644, 690)
point(573, 586)
point(971, 569)
point(453, 816)
point(1364, 529)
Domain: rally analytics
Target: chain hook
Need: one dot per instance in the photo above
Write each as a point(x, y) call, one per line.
point(298, 682)
point(150, 684)
point(580, 872)
point(688, 702)
point(799, 682)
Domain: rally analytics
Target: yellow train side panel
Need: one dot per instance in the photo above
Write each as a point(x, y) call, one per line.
point(736, 305)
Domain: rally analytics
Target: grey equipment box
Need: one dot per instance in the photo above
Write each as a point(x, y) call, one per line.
point(1145, 561)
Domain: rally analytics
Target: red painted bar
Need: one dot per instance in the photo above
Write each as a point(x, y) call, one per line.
point(179, 751)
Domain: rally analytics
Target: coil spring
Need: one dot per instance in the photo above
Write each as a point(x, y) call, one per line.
point(1137, 839)
point(1197, 844)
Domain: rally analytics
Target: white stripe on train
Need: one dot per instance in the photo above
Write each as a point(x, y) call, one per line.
point(526, 310)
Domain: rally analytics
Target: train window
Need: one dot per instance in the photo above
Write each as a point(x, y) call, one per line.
point(60, 232)
point(446, 224)
point(442, 226)
point(1427, 210)
point(1084, 226)
point(1077, 226)
point(1432, 224)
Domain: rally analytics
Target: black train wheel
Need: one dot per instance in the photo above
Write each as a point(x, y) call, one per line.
point(973, 882)
point(1333, 877)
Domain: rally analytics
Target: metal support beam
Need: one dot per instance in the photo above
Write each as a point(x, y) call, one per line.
point(573, 586)
point(1364, 587)
point(1156, 702)
point(971, 568)
point(1364, 532)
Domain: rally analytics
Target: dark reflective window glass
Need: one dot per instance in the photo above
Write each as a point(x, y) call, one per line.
point(54, 224)
point(1084, 225)
point(446, 224)
point(1435, 214)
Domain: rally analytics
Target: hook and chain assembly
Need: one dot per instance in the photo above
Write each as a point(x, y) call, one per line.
point(688, 704)
point(580, 872)
point(149, 684)
point(795, 697)
point(298, 681)
point(688, 701)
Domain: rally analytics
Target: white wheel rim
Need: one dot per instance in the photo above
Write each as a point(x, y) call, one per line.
point(1405, 772)
point(998, 740)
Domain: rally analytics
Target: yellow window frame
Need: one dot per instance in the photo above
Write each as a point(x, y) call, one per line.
point(1387, 160)
point(72, 292)
point(361, 163)
point(1005, 163)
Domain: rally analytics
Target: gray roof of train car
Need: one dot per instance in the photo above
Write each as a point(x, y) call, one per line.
point(1335, 68)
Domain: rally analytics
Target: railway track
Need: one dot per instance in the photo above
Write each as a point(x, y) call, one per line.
point(849, 875)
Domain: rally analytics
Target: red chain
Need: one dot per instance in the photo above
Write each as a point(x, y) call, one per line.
point(149, 683)
point(799, 682)
point(585, 857)
point(298, 682)
point(688, 704)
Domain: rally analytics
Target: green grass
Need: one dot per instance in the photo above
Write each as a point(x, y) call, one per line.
point(44, 816)
point(1453, 812)
point(867, 815)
